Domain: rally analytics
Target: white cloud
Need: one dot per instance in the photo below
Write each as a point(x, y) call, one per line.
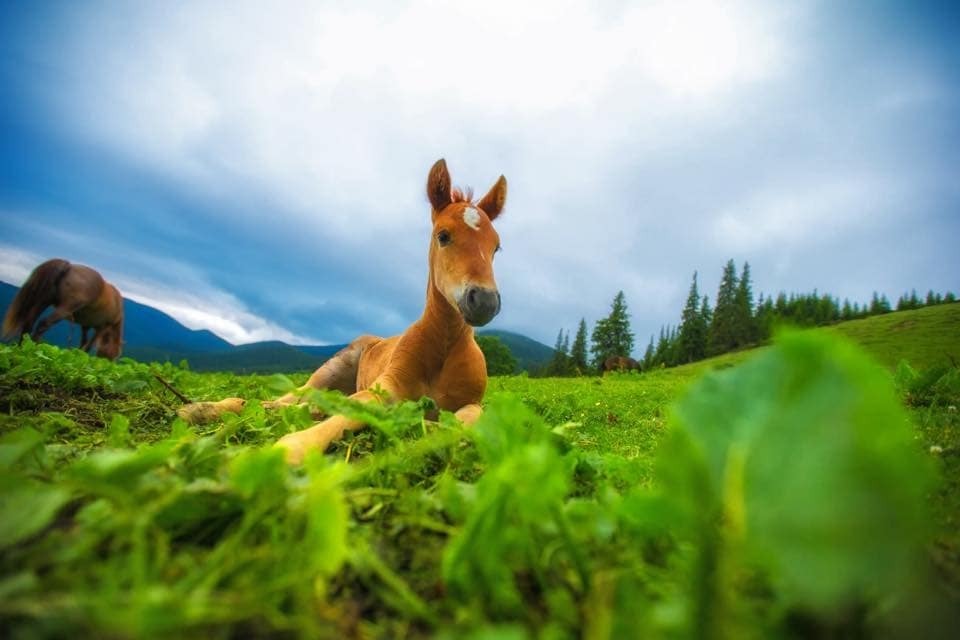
point(217, 311)
point(781, 219)
point(338, 108)
point(16, 264)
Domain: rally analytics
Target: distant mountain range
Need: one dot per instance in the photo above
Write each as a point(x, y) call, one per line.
point(152, 336)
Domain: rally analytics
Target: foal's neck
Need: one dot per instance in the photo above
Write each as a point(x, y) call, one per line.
point(442, 325)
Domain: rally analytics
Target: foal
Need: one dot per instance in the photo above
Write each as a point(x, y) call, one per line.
point(437, 355)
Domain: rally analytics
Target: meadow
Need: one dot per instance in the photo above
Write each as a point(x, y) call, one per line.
point(808, 488)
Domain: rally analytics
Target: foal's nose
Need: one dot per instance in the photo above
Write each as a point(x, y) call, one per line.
point(479, 305)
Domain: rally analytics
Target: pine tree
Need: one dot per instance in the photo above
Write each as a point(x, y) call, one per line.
point(612, 335)
point(706, 315)
point(692, 339)
point(914, 300)
point(647, 363)
point(745, 330)
point(662, 350)
point(559, 365)
point(673, 344)
point(884, 304)
point(723, 329)
point(578, 352)
point(764, 318)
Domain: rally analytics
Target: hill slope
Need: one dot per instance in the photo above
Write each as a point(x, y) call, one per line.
point(529, 353)
point(924, 337)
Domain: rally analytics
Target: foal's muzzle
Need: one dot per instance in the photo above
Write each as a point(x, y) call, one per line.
point(479, 305)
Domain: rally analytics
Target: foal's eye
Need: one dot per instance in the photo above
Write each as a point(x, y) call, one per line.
point(443, 238)
point(498, 249)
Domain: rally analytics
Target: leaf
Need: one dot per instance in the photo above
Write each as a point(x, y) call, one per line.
point(119, 431)
point(27, 507)
point(114, 470)
point(327, 519)
point(15, 445)
point(260, 471)
point(201, 509)
point(808, 456)
point(280, 383)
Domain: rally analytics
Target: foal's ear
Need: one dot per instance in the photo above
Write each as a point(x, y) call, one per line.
point(492, 203)
point(438, 185)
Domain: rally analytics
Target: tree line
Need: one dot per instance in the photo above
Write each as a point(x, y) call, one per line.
point(734, 322)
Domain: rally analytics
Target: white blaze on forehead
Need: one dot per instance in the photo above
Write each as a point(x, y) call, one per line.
point(472, 217)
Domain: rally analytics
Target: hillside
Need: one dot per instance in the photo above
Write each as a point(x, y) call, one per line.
point(530, 354)
point(925, 337)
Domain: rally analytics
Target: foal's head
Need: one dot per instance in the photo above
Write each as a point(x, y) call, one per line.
point(463, 244)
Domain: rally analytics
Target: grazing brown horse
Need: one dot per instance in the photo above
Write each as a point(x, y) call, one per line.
point(437, 355)
point(76, 293)
point(620, 363)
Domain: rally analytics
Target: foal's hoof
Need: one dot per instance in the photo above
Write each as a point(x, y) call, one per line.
point(204, 412)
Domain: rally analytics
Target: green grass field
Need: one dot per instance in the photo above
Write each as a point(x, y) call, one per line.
point(798, 490)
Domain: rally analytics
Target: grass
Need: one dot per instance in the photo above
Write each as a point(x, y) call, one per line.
point(926, 337)
point(578, 507)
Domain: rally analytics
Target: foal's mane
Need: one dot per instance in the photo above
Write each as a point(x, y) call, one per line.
point(461, 195)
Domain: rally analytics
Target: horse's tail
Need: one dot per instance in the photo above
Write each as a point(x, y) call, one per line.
point(36, 294)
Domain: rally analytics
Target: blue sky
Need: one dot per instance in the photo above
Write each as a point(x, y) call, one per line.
point(258, 169)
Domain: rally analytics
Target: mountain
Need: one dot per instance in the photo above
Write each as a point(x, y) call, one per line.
point(152, 336)
point(530, 354)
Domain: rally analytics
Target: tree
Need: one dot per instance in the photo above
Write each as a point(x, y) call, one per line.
point(847, 313)
point(578, 352)
point(612, 335)
point(560, 364)
point(706, 314)
point(647, 363)
point(723, 329)
point(764, 318)
point(662, 352)
point(692, 339)
point(500, 360)
point(745, 329)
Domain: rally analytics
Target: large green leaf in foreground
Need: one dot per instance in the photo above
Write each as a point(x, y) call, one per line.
point(809, 465)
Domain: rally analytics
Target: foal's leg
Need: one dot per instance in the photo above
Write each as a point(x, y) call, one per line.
point(319, 436)
point(339, 372)
point(468, 414)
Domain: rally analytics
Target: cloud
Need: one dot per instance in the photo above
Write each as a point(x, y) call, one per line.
point(312, 105)
point(16, 264)
point(787, 218)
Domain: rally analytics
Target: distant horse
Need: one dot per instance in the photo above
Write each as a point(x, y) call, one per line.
point(78, 294)
point(620, 363)
point(437, 355)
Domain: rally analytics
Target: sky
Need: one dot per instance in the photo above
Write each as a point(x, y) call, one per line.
point(259, 169)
